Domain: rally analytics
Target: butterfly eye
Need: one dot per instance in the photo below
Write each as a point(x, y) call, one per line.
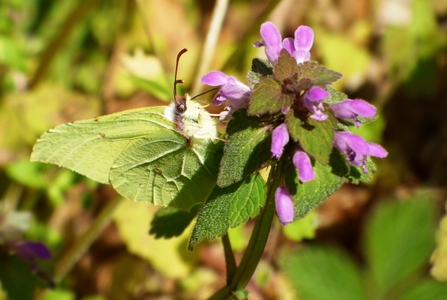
point(181, 107)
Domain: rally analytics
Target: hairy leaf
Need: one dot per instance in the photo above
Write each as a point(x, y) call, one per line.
point(286, 67)
point(315, 137)
point(259, 67)
point(268, 97)
point(229, 207)
point(328, 179)
point(246, 150)
point(317, 74)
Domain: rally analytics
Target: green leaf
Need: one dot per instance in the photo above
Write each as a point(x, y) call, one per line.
point(323, 274)
point(427, 290)
point(268, 97)
point(335, 96)
point(317, 74)
point(170, 222)
point(229, 207)
point(328, 179)
point(399, 240)
point(356, 174)
point(16, 279)
point(246, 150)
point(286, 68)
point(139, 152)
point(259, 68)
point(315, 137)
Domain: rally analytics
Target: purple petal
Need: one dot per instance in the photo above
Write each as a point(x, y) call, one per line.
point(272, 41)
point(214, 78)
point(313, 100)
point(319, 116)
point(301, 161)
point(362, 108)
point(316, 93)
point(304, 38)
point(271, 35)
point(284, 205)
point(29, 250)
point(234, 89)
point(280, 138)
point(289, 45)
point(301, 56)
point(376, 150)
point(347, 142)
point(352, 109)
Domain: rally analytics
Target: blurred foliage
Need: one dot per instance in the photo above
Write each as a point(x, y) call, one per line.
point(398, 241)
point(68, 60)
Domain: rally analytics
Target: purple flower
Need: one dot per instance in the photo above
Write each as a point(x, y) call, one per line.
point(304, 38)
point(284, 205)
point(352, 109)
point(29, 251)
point(280, 138)
point(231, 89)
point(301, 161)
point(313, 100)
point(357, 149)
point(271, 40)
point(299, 47)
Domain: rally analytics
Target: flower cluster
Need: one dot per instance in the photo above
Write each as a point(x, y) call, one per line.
point(297, 92)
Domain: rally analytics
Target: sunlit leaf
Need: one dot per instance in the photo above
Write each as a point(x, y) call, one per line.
point(229, 207)
point(268, 97)
point(246, 150)
point(328, 179)
point(315, 137)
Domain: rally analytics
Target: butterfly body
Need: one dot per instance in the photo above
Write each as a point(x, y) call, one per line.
point(194, 122)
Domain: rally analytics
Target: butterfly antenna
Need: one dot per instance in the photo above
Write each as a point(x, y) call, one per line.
point(176, 81)
point(214, 89)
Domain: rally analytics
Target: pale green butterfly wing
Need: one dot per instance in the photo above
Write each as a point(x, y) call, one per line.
point(139, 152)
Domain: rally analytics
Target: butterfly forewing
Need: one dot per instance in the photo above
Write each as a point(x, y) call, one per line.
point(139, 152)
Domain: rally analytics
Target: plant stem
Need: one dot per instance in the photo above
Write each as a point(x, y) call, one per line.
point(257, 242)
point(229, 258)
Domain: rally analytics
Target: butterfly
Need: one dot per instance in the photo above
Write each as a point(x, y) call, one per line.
point(165, 155)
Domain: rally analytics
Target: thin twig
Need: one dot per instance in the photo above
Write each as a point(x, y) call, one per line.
point(209, 47)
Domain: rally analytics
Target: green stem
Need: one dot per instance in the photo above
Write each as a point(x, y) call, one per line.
point(257, 242)
point(229, 258)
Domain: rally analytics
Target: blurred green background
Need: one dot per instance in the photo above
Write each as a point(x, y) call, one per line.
point(68, 60)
